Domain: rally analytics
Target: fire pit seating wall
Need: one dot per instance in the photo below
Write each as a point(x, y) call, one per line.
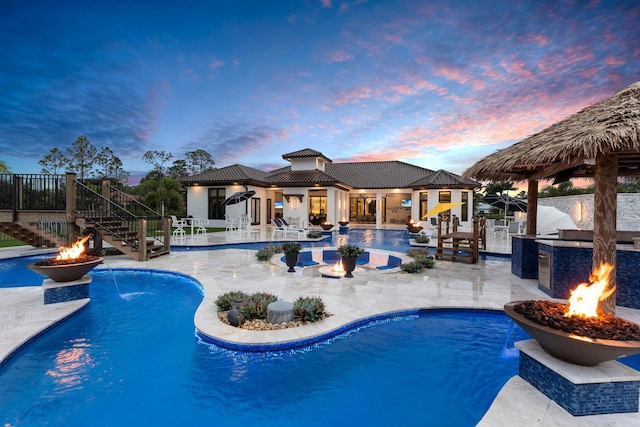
point(377, 260)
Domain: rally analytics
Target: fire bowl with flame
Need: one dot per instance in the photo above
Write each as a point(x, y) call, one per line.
point(579, 331)
point(579, 341)
point(71, 264)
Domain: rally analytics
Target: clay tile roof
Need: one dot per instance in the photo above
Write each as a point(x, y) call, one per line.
point(233, 173)
point(286, 176)
point(305, 152)
point(384, 174)
point(443, 178)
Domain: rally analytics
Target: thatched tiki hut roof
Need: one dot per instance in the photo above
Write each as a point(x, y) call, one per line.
point(601, 141)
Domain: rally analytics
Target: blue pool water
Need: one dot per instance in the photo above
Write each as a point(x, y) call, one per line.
point(131, 357)
point(14, 272)
point(390, 240)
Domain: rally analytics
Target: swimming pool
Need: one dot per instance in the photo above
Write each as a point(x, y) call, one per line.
point(390, 240)
point(131, 357)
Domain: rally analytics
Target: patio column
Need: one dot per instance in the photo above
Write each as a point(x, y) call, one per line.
point(604, 219)
point(532, 207)
point(378, 209)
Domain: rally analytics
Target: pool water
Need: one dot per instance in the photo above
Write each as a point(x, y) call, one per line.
point(15, 273)
point(131, 357)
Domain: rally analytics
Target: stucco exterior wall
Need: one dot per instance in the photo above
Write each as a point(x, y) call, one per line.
point(580, 208)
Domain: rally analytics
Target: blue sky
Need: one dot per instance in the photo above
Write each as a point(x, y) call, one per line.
point(439, 84)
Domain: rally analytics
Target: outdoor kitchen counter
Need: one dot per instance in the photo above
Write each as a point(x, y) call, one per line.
point(580, 244)
point(564, 264)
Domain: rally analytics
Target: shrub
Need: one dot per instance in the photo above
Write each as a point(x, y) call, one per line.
point(421, 260)
point(265, 254)
point(314, 235)
point(256, 306)
point(309, 309)
point(411, 267)
point(227, 301)
point(349, 251)
point(291, 247)
point(422, 239)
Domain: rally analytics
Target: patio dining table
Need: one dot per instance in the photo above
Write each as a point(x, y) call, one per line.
point(196, 222)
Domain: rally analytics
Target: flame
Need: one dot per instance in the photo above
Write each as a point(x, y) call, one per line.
point(337, 268)
point(74, 251)
point(584, 299)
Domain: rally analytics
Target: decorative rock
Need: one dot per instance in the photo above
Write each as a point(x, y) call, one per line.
point(280, 311)
point(235, 318)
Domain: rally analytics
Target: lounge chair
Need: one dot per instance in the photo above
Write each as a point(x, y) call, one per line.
point(278, 229)
point(363, 258)
point(330, 256)
point(292, 229)
point(392, 262)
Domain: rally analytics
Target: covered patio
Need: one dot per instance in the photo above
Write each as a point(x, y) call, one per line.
point(601, 142)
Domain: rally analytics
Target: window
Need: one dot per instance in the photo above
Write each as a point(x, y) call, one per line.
point(445, 197)
point(216, 208)
point(255, 211)
point(424, 204)
point(465, 206)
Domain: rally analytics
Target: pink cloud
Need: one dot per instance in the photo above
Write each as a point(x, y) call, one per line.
point(453, 74)
point(612, 60)
point(339, 56)
point(354, 94)
point(392, 38)
point(539, 39)
point(216, 64)
point(326, 3)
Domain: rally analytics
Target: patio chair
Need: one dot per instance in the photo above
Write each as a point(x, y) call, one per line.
point(178, 225)
point(278, 229)
point(292, 229)
point(514, 228)
point(230, 224)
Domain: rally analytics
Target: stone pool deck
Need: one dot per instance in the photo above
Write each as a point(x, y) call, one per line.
point(486, 285)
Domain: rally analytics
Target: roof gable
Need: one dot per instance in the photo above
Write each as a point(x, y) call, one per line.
point(443, 178)
point(305, 152)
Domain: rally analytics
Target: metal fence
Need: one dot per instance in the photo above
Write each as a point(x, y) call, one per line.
point(32, 192)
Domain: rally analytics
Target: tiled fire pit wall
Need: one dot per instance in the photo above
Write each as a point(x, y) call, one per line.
point(66, 291)
point(608, 388)
point(571, 263)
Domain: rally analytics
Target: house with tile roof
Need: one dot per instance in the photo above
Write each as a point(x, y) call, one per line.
point(313, 189)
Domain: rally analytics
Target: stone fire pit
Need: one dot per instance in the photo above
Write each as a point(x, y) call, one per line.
point(67, 270)
point(570, 346)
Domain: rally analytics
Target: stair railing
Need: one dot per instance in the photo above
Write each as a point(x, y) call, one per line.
point(154, 220)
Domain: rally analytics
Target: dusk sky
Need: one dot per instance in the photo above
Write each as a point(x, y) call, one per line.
point(439, 84)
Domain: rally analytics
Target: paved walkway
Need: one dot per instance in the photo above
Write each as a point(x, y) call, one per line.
point(487, 285)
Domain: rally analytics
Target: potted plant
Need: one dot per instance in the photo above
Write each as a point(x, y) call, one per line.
point(349, 255)
point(291, 253)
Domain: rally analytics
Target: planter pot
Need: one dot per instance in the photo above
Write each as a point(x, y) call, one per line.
point(349, 264)
point(292, 260)
point(66, 272)
point(343, 223)
point(326, 227)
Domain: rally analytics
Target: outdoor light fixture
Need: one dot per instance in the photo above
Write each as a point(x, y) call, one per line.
point(580, 211)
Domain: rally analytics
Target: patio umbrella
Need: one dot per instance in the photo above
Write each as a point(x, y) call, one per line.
point(506, 203)
point(550, 220)
point(238, 197)
point(439, 208)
